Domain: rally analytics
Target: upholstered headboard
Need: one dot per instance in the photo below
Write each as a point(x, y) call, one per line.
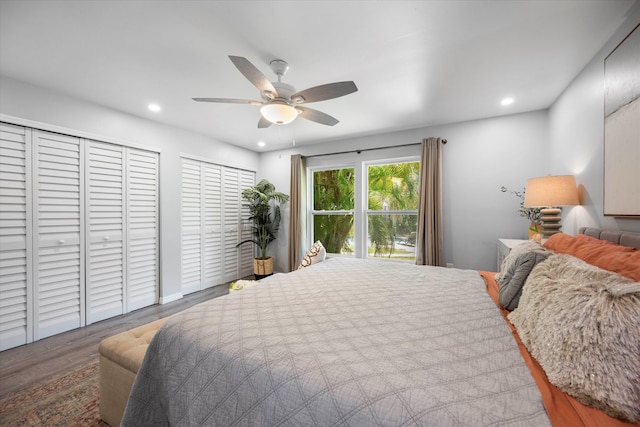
point(624, 238)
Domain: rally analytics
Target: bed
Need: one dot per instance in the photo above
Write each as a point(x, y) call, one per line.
point(362, 343)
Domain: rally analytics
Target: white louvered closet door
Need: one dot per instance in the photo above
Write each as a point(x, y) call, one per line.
point(191, 226)
point(122, 203)
point(16, 309)
point(247, 251)
point(231, 223)
point(238, 261)
point(212, 253)
point(214, 221)
point(105, 168)
point(58, 237)
point(78, 232)
point(142, 248)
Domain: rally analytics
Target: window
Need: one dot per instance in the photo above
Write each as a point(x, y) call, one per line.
point(333, 209)
point(367, 211)
point(392, 214)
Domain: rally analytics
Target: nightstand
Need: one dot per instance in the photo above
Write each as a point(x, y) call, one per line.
point(504, 247)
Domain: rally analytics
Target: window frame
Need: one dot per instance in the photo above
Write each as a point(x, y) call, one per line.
point(360, 211)
point(366, 212)
point(311, 212)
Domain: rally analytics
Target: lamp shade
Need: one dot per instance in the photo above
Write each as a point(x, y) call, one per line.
point(279, 113)
point(559, 190)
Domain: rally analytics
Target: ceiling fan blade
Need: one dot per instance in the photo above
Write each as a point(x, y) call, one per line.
point(229, 101)
point(253, 74)
point(263, 123)
point(324, 92)
point(317, 116)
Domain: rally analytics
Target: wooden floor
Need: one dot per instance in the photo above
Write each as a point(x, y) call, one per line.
point(28, 364)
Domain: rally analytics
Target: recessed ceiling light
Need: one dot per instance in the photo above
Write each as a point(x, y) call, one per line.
point(261, 144)
point(154, 107)
point(506, 101)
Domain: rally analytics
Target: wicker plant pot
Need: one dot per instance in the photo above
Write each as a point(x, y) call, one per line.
point(262, 267)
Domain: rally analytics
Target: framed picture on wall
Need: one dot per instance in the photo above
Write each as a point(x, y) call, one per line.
point(622, 128)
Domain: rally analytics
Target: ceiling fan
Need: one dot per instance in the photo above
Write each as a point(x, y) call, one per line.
point(281, 104)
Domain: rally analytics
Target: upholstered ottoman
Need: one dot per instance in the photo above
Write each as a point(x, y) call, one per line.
point(120, 358)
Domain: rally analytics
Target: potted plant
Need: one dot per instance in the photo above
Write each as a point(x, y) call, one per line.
point(264, 208)
point(532, 214)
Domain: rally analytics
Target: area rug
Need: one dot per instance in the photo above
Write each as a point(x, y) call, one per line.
point(67, 399)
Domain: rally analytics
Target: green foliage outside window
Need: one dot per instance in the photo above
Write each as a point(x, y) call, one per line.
point(392, 187)
point(334, 190)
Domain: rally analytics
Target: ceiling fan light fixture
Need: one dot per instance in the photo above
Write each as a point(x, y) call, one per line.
point(279, 113)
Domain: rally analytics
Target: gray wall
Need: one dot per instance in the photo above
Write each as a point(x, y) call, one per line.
point(479, 158)
point(41, 105)
point(576, 131)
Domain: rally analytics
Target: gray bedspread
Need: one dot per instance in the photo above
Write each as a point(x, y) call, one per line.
point(343, 342)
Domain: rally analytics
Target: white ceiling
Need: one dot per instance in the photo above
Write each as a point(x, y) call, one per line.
point(416, 63)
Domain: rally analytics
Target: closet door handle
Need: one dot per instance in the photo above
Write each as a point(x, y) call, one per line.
point(105, 238)
point(61, 242)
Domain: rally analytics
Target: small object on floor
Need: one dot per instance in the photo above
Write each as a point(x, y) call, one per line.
point(241, 284)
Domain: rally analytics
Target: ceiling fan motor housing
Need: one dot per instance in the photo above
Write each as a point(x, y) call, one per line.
point(284, 91)
point(279, 67)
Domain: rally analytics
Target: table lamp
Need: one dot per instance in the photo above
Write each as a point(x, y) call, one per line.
point(549, 192)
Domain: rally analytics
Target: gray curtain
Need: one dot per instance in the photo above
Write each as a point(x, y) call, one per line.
point(296, 210)
point(429, 249)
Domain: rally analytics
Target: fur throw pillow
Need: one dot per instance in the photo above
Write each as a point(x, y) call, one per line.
point(582, 325)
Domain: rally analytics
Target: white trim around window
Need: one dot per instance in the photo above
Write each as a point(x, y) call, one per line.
point(360, 211)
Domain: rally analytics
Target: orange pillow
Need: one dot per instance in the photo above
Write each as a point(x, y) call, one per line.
point(560, 243)
point(624, 263)
point(601, 253)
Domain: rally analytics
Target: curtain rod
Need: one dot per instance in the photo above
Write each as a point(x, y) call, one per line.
point(444, 141)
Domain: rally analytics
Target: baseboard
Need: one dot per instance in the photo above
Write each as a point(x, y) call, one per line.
point(170, 298)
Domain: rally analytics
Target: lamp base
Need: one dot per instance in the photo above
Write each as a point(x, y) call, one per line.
point(550, 218)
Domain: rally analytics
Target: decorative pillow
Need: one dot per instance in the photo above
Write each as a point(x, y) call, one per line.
point(609, 256)
point(516, 251)
point(513, 279)
point(316, 253)
point(581, 324)
point(560, 243)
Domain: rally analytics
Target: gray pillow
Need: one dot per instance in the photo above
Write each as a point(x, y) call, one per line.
point(513, 279)
point(516, 251)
